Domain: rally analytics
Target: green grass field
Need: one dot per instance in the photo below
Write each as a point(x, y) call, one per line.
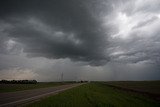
point(95, 95)
point(20, 87)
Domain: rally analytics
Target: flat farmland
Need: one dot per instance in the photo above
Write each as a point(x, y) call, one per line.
point(142, 86)
point(20, 87)
point(96, 94)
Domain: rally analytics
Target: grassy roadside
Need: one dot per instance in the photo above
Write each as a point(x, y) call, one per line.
point(20, 87)
point(95, 95)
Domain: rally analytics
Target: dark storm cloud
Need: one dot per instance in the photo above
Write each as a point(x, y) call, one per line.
point(137, 49)
point(40, 39)
point(57, 29)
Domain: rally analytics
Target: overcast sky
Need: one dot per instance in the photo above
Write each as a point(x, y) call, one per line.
point(83, 39)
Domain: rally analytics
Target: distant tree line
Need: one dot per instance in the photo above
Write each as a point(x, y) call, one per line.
point(18, 82)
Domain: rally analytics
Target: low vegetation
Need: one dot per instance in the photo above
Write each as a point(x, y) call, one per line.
point(95, 95)
point(144, 86)
point(18, 82)
point(20, 87)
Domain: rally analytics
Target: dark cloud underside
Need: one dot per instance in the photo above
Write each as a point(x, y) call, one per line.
point(82, 38)
point(96, 39)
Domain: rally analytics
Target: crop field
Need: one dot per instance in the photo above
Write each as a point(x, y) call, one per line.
point(144, 86)
point(20, 87)
point(96, 95)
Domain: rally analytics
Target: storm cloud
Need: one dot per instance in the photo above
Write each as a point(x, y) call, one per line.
point(56, 29)
point(91, 39)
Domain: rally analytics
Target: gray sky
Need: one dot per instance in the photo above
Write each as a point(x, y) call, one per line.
point(84, 39)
